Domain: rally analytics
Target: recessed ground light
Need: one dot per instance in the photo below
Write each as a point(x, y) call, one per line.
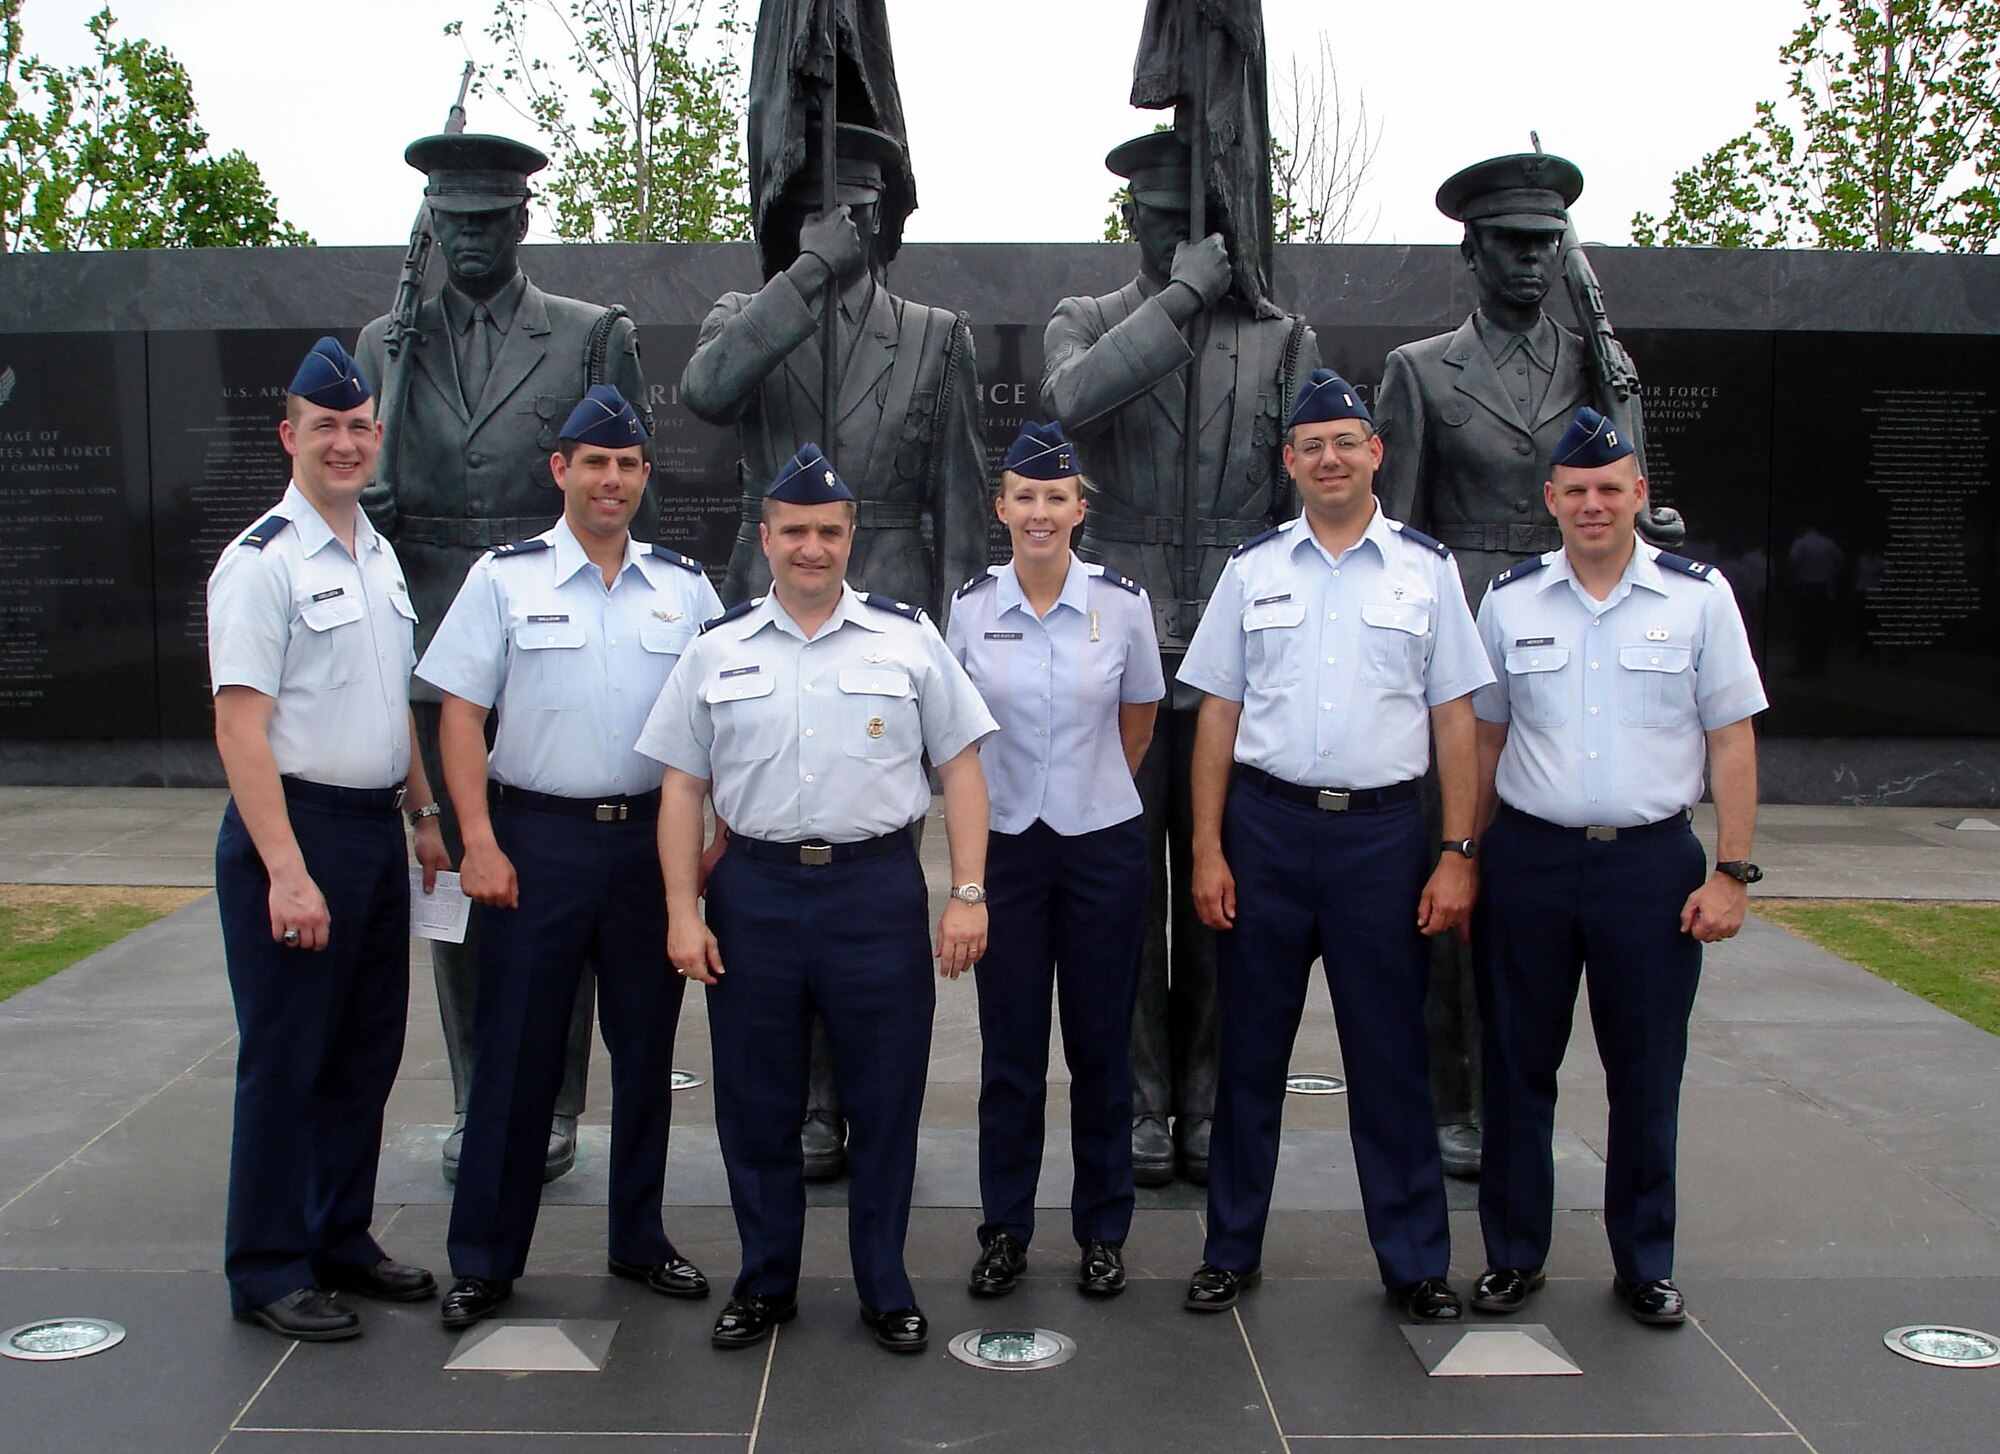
point(1315, 1083)
point(51, 1340)
point(1012, 1350)
point(1945, 1346)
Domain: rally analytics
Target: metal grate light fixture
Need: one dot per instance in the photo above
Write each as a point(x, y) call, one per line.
point(1012, 1350)
point(52, 1340)
point(1315, 1083)
point(1944, 1346)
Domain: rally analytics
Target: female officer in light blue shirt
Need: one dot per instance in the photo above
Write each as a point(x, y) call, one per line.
point(1065, 656)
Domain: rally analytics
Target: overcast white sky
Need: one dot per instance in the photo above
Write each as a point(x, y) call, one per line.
point(1011, 107)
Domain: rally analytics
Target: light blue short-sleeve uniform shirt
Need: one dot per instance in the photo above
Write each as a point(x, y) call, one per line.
point(329, 636)
point(572, 665)
point(1607, 703)
point(1337, 660)
point(1054, 683)
point(822, 738)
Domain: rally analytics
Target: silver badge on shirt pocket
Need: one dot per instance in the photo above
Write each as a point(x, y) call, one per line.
point(1657, 633)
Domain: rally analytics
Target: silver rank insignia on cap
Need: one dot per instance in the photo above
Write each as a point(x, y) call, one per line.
point(829, 479)
point(1657, 633)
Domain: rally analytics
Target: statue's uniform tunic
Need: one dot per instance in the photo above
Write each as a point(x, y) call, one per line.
point(327, 636)
point(1116, 377)
point(813, 748)
point(573, 667)
point(1065, 882)
point(1337, 662)
point(1607, 706)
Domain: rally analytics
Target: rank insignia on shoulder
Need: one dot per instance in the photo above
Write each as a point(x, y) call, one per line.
point(521, 547)
point(674, 557)
point(1515, 572)
point(733, 612)
point(1256, 540)
point(889, 603)
point(1111, 577)
point(267, 531)
point(1699, 569)
point(984, 578)
point(1411, 533)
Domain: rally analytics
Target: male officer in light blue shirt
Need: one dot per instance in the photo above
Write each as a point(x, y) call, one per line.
point(1622, 671)
point(807, 713)
point(1331, 649)
point(570, 634)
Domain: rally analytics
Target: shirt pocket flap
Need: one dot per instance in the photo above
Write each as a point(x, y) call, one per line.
point(1261, 614)
point(1414, 619)
point(405, 607)
point(869, 681)
point(669, 638)
point(737, 687)
point(324, 615)
point(547, 635)
point(1653, 658)
point(1524, 660)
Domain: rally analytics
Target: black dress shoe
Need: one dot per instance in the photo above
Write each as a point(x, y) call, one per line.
point(1101, 1271)
point(1429, 1301)
point(561, 1155)
point(1191, 1135)
point(1504, 1289)
point(1461, 1148)
point(1002, 1260)
point(388, 1280)
point(823, 1144)
point(473, 1298)
point(1656, 1301)
point(676, 1277)
point(900, 1330)
point(747, 1320)
point(1214, 1289)
point(309, 1314)
point(1152, 1152)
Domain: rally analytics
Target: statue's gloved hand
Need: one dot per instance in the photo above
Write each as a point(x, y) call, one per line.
point(833, 238)
point(1204, 267)
point(1663, 526)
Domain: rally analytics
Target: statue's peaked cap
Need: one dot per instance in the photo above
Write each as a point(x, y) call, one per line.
point(1530, 191)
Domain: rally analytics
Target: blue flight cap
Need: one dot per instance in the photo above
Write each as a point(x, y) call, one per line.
point(603, 418)
point(329, 377)
point(807, 479)
point(1591, 440)
point(1041, 453)
point(1326, 396)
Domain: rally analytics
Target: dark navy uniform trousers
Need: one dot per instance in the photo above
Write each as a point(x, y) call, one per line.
point(1343, 887)
point(1065, 916)
point(850, 940)
point(589, 891)
point(319, 1038)
point(1554, 907)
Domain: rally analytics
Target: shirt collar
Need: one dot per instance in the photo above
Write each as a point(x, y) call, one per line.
point(848, 610)
point(503, 305)
point(570, 555)
point(1642, 570)
point(314, 533)
point(1539, 341)
point(1075, 592)
point(1378, 534)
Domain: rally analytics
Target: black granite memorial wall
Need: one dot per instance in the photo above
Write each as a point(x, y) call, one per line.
point(1825, 421)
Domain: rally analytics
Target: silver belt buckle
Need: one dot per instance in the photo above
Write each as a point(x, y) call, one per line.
point(611, 812)
point(1601, 835)
point(1332, 800)
point(815, 855)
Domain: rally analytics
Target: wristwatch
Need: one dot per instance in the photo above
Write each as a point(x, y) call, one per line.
point(969, 893)
point(1741, 869)
point(1465, 847)
point(428, 810)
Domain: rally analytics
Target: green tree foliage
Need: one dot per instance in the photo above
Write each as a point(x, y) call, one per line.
point(109, 154)
point(1890, 139)
point(651, 151)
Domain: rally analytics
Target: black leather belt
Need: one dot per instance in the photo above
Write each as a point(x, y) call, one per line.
point(476, 534)
point(1328, 800)
point(816, 854)
point(1501, 539)
point(1677, 823)
point(361, 802)
point(641, 807)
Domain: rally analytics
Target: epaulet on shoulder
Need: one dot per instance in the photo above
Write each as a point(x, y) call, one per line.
point(520, 547)
point(674, 557)
point(1112, 578)
point(889, 603)
point(985, 577)
point(1411, 533)
point(1516, 571)
point(1701, 570)
point(1256, 540)
point(743, 609)
point(268, 530)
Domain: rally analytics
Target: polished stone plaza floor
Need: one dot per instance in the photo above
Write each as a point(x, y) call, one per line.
point(1840, 1178)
